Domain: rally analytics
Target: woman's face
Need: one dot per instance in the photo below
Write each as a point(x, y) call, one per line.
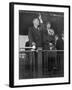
point(48, 25)
point(56, 37)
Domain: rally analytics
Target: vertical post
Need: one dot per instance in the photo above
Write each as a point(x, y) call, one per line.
point(39, 63)
point(45, 71)
point(33, 59)
point(32, 63)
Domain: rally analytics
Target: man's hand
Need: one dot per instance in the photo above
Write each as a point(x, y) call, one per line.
point(39, 49)
point(50, 44)
point(34, 47)
point(40, 18)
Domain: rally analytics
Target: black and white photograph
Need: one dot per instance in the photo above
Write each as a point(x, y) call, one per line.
point(41, 44)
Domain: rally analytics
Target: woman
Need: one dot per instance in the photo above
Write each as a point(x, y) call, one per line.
point(48, 45)
point(48, 37)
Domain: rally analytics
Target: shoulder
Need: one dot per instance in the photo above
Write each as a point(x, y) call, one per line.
point(30, 29)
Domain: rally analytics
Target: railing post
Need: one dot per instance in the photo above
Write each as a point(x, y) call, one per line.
point(33, 59)
point(32, 63)
point(39, 63)
point(30, 57)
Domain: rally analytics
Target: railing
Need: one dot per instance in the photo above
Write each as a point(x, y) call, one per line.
point(41, 61)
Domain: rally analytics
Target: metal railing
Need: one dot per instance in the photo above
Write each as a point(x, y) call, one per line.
point(40, 60)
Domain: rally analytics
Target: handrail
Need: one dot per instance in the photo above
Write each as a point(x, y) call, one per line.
point(27, 48)
point(41, 51)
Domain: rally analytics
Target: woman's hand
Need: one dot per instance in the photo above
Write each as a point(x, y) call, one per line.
point(51, 32)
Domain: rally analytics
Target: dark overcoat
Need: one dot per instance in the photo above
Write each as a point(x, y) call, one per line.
point(35, 36)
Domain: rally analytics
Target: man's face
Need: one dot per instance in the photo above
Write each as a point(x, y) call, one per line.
point(36, 22)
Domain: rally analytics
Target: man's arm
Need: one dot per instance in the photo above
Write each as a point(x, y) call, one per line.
point(40, 18)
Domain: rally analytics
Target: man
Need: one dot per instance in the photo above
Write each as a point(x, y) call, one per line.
point(35, 39)
point(35, 34)
point(60, 53)
point(60, 43)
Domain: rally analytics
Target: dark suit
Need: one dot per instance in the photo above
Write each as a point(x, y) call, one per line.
point(60, 44)
point(35, 36)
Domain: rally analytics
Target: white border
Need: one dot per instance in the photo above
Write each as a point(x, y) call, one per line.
point(16, 46)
